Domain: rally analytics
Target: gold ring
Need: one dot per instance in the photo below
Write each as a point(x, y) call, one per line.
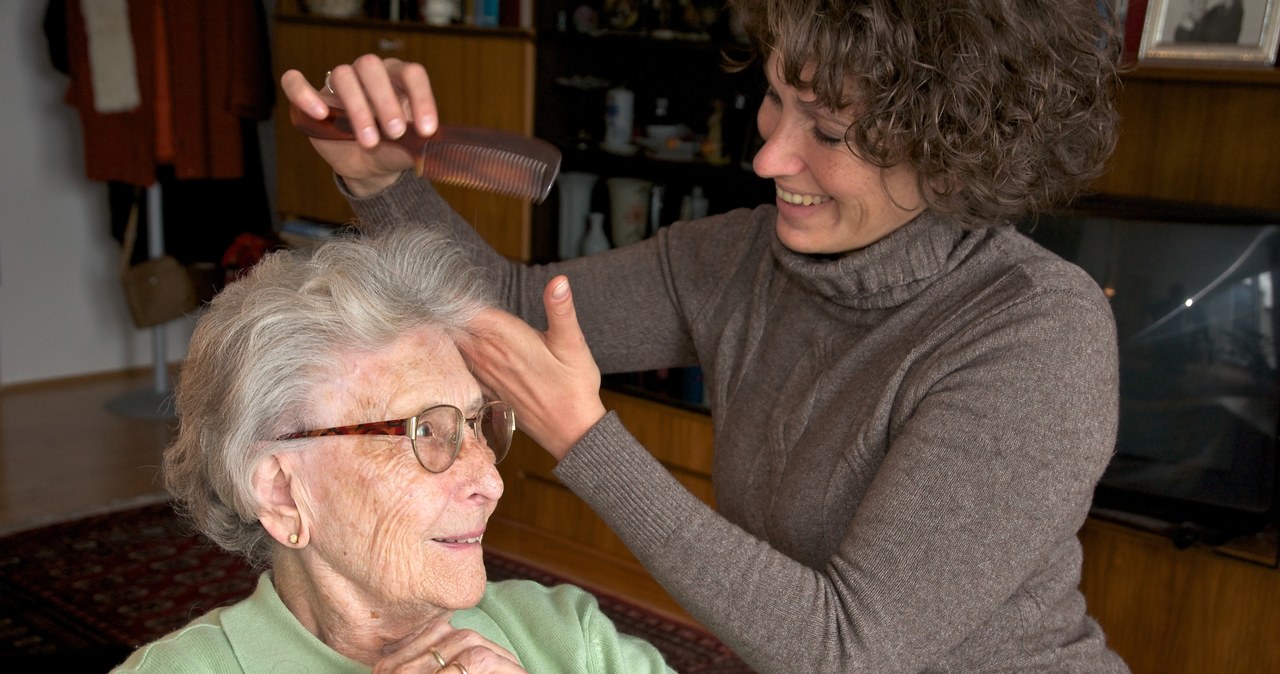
point(435, 653)
point(457, 664)
point(328, 86)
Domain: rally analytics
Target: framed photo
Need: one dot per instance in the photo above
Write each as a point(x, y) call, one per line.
point(1220, 32)
point(1132, 15)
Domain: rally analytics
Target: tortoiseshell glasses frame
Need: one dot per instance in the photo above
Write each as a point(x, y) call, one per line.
point(436, 432)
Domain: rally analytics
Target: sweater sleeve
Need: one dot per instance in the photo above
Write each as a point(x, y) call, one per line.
point(986, 480)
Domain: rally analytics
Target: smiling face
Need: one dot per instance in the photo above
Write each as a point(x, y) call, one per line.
point(384, 530)
point(829, 200)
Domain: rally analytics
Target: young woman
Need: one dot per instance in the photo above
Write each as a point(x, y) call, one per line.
point(912, 402)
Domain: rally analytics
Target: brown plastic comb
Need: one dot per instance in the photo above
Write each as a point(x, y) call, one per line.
point(491, 160)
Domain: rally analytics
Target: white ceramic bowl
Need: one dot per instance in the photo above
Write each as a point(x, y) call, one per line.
point(661, 133)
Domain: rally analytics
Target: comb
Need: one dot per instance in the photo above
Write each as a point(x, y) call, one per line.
point(491, 160)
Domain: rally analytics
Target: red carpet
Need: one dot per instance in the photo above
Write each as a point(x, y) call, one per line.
point(85, 593)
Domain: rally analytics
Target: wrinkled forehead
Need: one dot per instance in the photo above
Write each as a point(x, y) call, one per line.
point(421, 368)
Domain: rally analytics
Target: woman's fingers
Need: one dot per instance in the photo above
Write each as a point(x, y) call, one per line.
point(441, 642)
point(482, 660)
point(413, 82)
point(381, 95)
point(499, 342)
point(349, 87)
point(550, 378)
point(564, 334)
point(300, 93)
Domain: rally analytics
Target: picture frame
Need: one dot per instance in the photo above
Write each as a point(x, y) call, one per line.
point(1132, 17)
point(1211, 32)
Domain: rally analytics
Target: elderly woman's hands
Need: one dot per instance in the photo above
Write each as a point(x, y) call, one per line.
point(380, 96)
point(550, 378)
point(441, 642)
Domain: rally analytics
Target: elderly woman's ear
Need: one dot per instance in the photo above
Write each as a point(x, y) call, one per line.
point(274, 486)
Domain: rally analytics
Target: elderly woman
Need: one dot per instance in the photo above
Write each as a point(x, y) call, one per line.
point(332, 435)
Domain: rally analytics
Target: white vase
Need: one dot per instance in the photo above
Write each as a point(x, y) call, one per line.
point(575, 202)
point(628, 209)
point(595, 240)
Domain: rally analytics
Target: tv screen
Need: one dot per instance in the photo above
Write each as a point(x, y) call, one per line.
point(1193, 293)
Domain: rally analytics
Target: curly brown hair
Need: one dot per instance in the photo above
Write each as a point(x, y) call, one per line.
point(1003, 107)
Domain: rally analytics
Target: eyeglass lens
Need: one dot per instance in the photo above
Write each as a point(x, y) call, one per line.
point(439, 433)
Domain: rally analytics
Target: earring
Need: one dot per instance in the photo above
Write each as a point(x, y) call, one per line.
point(293, 539)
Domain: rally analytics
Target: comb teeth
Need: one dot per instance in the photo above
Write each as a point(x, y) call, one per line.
point(472, 157)
point(485, 168)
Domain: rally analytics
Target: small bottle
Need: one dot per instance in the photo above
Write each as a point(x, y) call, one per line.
point(713, 146)
point(619, 116)
point(694, 205)
point(655, 209)
point(595, 240)
point(661, 110)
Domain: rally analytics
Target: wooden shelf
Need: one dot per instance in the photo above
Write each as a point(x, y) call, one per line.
point(461, 30)
point(1268, 76)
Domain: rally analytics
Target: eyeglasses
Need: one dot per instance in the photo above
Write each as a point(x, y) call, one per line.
point(436, 432)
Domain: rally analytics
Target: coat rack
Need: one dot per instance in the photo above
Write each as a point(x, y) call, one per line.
point(157, 401)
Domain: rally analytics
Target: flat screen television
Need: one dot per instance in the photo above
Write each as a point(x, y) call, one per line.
point(1193, 290)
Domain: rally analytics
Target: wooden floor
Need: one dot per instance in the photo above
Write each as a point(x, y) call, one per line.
point(66, 452)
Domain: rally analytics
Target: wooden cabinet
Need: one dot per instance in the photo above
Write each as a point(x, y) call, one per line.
point(541, 519)
point(481, 77)
point(1171, 611)
point(1199, 135)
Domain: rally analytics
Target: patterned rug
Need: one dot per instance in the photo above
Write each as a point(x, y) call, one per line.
point(84, 594)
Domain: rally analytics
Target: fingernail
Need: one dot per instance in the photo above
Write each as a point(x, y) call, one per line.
point(560, 291)
point(319, 110)
point(395, 128)
point(427, 124)
point(369, 136)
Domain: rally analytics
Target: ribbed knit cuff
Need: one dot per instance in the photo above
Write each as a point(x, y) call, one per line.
point(634, 494)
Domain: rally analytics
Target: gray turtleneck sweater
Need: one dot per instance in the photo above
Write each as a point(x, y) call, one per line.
point(907, 437)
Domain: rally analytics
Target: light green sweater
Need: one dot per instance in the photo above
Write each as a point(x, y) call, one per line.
point(551, 630)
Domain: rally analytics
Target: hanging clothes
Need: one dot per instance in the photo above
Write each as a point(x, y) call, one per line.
point(204, 80)
point(215, 53)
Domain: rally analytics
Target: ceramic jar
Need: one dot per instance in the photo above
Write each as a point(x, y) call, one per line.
point(628, 209)
point(439, 12)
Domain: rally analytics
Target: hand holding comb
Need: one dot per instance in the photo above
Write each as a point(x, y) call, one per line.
point(478, 158)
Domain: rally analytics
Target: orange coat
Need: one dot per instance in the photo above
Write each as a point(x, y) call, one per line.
point(218, 71)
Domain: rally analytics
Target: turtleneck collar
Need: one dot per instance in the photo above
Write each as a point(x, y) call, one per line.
point(888, 272)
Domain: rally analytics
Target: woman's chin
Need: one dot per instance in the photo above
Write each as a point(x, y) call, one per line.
point(470, 587)
point(802, 240)
point(468, 597)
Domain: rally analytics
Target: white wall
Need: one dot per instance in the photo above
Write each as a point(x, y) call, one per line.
point(62, 310)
